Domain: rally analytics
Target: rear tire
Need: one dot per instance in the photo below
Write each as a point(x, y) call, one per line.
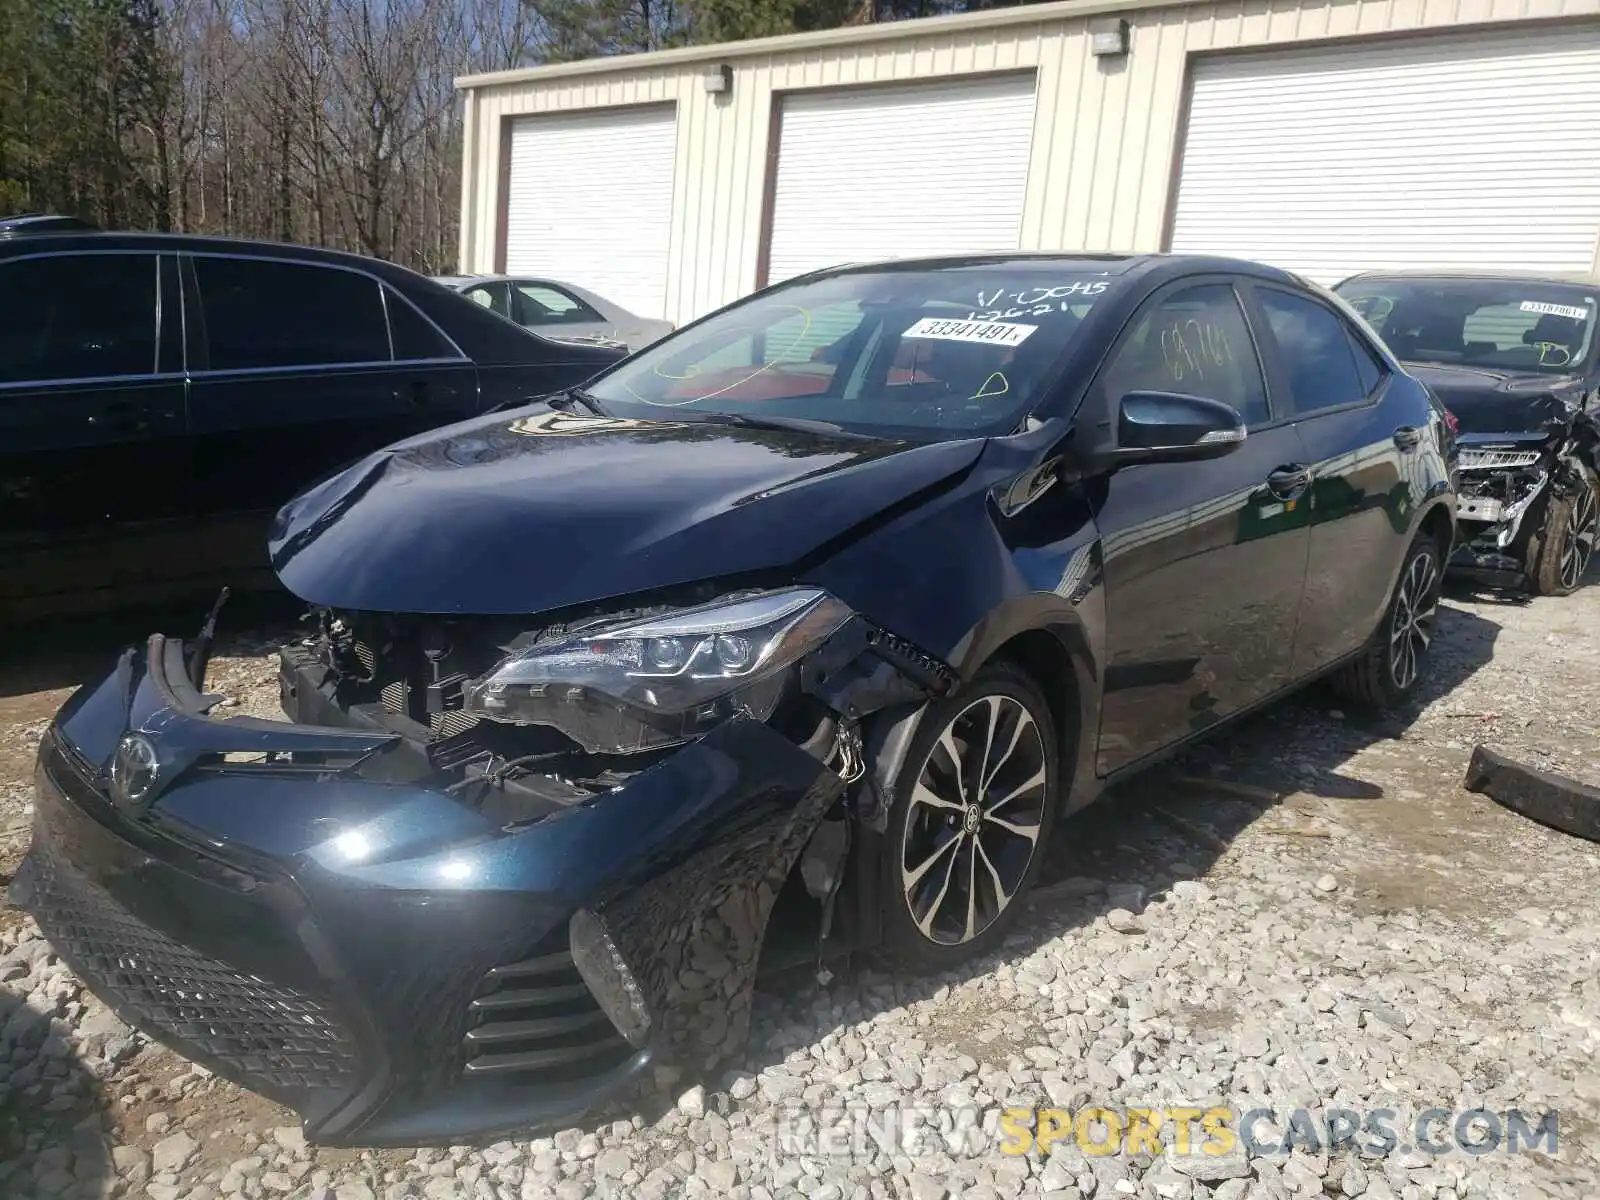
point(1390, 667)
point(1565, 545)
point(973, 810)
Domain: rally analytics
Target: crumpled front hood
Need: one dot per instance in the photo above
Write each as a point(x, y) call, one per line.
point(536, 510)
point(1490, 401)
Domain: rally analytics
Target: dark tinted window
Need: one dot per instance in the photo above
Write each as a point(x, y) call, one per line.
point(542, 304)
point(1367, 366)
point(413, 336)
point(1194, 341)
point(170, 317)
point(77, 316)
point(281, 314)
point(1316, 352)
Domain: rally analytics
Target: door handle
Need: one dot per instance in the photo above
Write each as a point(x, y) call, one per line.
point(122, 416)
point(418, 393)
point(1408, 437)
point(1288, 482)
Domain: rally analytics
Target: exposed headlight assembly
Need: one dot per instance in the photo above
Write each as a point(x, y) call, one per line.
point(643, 684)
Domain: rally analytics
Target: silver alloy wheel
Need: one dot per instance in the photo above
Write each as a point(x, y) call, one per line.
point(1581, 523)
point(1415, 610)
point(973, 820)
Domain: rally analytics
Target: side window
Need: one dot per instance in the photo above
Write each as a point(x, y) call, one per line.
point(1316, 351)
point(413, 337)
point(492, 296)
point(541, 304)
point(1193, 340)
point(1368, 369)
point(263, 313)
point(78, 316)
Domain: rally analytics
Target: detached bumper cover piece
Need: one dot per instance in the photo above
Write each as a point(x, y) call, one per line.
point(378, 955)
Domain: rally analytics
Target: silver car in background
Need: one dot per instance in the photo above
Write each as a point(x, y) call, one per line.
point(559, 310)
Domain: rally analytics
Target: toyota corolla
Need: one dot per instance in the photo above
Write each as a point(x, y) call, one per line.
point(831, 603)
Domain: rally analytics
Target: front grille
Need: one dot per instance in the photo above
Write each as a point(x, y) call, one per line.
point(535, 1021)
point(272, 1038)
point(1484, 460)
point(450, 724)
point(366, 655)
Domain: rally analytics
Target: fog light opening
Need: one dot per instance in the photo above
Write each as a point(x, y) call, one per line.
point(608, 978)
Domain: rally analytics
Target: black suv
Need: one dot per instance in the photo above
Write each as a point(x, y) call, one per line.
point(161, 396)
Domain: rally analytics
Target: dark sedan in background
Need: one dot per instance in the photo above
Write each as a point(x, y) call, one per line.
point(162, 396)
point(832, 602)
point(1516, 359)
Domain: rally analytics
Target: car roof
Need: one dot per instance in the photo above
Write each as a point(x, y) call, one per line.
point(49, 242)
point(24, 224)
point(464, 280)
point(1084, 263)
point(1572, 278)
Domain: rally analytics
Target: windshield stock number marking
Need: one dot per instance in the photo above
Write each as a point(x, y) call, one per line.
point(1001, 305)
point(1570, 311)
point(988, 333)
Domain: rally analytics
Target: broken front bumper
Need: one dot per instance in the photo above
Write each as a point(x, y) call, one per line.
point(379, 956)
point(1493, 542)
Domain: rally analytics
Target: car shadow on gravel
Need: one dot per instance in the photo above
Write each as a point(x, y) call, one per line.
point(52, 1136)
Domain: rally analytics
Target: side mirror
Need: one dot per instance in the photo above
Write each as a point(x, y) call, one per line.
point(1174, 427)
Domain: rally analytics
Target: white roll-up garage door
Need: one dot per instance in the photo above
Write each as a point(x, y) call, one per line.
point(897, 172)
point(1475, 151)
point(589, 201)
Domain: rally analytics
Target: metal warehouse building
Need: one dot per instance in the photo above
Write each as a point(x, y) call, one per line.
point(1325, 136)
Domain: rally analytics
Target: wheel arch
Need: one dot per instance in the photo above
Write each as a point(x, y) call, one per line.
point(1058, 645)
point(1438, 519)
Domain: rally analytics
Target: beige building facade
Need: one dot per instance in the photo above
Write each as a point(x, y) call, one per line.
point(1326, 135)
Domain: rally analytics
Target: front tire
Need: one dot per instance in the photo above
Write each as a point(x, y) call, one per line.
point(1566, 544)
point(974, 807)
point(1390, 667)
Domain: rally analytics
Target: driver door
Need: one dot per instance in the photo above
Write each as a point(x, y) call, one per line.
point(1205, 562)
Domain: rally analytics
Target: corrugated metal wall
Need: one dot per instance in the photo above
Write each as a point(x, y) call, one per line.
point(1105, 131)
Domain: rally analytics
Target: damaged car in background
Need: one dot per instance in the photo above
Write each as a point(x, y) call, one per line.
point(1517, 361)
point(791, 636)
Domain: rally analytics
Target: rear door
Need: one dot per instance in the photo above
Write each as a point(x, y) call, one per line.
point(1204, 561)
point(94, 483)
point(297, 369)
point(1363, 454)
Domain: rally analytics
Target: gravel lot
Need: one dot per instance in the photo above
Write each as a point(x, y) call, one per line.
point(1306, 914)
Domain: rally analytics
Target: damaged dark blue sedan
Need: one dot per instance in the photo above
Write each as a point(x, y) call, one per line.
point(831, 603)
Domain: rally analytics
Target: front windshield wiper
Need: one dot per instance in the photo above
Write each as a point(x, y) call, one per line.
point(797, 424)
point(563, 401)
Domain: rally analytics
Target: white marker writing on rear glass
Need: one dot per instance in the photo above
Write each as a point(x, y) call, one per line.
point(989, 333)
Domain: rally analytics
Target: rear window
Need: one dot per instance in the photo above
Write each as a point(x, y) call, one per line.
point(1490, 323)
point(915, 352)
